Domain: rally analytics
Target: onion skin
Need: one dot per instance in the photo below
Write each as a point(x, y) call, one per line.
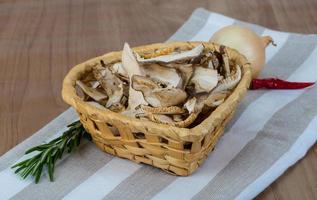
point(266, 40)
point(247, 42)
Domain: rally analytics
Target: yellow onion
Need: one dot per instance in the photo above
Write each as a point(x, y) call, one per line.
point(247, 42)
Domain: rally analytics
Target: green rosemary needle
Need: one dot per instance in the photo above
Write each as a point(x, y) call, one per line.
point(48, 153)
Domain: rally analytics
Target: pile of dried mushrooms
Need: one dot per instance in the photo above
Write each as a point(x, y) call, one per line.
point(179, 88)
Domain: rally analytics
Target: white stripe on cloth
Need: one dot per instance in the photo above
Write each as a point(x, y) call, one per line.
point(296, 152)
point(215, 22)
point(104, 180)
point(10, 183)
point(279, 37)
point(244, 130)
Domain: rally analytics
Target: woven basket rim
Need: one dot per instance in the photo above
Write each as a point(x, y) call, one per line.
point(70, 96)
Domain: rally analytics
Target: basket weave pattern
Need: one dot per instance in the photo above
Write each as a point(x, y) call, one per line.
point(176, 150)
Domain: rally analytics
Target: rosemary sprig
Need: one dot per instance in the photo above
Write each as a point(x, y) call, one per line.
point(50, 152)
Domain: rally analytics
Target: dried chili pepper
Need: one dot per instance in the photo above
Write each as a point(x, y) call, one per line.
point(275, 83)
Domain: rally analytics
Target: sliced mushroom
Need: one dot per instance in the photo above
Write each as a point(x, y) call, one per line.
point(216, 98)
point(119, 71)
point(91, 92)
point(198, 59)
point(95, 84)
point(220, 78)
point(186, 72)
point(124, 100)
point(174, 57)
point(117, 107)
point(118, 68)
point(132, 67)
point(88, 77)
point(107, 79)
point(210, 65)
point(215, 61)
point(168, 76)
point(116, 96)
point(225, 59)
point(204, 79)
point(190, 105)
point(142, 83)
point(110, 83)
point(177, 118)
point(157, 96)
point(229, 82)
point(162, 97)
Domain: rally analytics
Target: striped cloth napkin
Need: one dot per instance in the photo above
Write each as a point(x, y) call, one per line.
point(270, 132)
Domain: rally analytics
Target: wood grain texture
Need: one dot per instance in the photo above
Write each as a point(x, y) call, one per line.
point(40, 40)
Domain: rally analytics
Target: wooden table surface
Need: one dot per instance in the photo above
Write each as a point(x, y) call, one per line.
point(40, 40)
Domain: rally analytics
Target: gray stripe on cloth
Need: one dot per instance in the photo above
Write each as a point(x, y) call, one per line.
point(190, 28)
point(69, 174)
point(143, 184)
point(256, 28)
point(296, 47)
point(42, 135)
point(271, 142)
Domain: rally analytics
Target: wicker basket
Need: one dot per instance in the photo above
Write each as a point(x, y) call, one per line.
point(176, 150)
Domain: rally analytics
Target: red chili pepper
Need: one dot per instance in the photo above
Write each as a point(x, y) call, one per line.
point(275, 83)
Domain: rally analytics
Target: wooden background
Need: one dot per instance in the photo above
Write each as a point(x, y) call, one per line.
point(41, 39)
